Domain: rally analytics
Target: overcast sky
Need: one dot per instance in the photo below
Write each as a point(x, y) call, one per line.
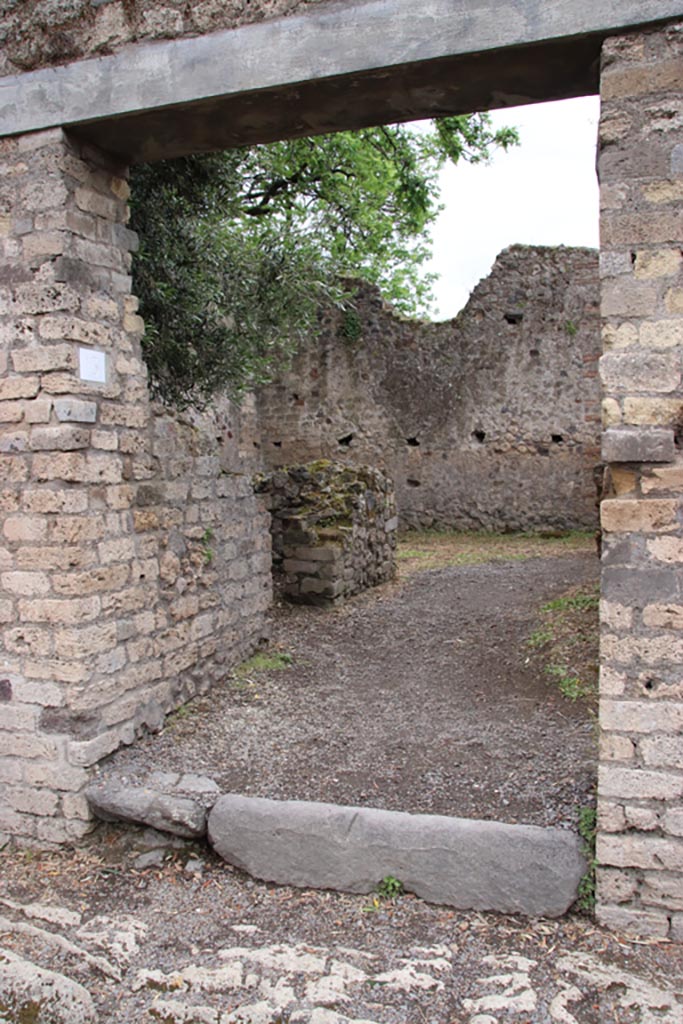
point(543, 192)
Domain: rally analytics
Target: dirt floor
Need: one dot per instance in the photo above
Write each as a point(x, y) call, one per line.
point(426, 696)
point(420, 696)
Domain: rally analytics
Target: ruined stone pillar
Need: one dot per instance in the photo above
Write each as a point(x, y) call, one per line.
point(640, 840)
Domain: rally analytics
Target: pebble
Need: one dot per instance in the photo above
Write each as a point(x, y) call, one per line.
point(151, 859)
point(194, 866)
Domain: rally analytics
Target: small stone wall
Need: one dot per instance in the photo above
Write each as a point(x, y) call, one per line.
point(333, 528)
point(490, 420)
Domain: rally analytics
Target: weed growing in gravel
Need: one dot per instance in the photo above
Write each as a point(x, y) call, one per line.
point(539, 638)
point(388, 890)
point(567, 636)
point(583, 600)
point(570, 686)
point(243, 679)
point(273, 661)
point(179, 715)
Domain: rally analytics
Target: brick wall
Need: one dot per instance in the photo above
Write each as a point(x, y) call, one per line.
point(135, 562)
point(640, 845)
point(490, 420)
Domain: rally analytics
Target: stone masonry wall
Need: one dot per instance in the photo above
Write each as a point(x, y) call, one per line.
point(135, 563)
point(42, 33)
point(490, 420)
point(640, 842)
point(333, 530)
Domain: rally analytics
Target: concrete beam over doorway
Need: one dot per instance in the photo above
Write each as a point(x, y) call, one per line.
point(336, 66)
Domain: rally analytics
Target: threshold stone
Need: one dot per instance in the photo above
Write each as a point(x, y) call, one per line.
point(463, 863)
point(142, 805)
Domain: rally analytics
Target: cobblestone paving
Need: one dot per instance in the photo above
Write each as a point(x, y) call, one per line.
point(86, 937)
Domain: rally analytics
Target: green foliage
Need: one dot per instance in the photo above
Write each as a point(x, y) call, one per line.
point(539, 638)
point(570, 686)
point(571, 328)
point(390, 888)
point(351, 327)
point(264, 662)
point(574, 601)
point(588, 832)
point(207, 550)
point(568, 638)
point(238, 249)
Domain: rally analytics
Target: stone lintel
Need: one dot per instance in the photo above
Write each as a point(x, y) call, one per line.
point(336, 66)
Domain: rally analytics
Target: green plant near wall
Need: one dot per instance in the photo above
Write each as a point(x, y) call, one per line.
point(207, 550)
point(351, 326)
point(570, 686)
point(588, 832)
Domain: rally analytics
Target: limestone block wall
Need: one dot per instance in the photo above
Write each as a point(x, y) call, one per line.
point(333, 530)
point(43, 34)
point(640, 842)
point(135, 562)
point(490, 420)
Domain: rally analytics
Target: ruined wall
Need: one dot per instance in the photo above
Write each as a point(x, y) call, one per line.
point(333, 530)
point(640, 842)
point(135, 561)
point(489, 420)
point(42, 33)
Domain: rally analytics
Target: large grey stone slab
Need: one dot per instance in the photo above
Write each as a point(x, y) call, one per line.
point(142, 805)
point(480, 865)
point(334, 66)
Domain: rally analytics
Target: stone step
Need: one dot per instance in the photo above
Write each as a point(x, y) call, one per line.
point(469, 864)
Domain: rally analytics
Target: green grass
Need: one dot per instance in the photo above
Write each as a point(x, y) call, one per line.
point(437, 549)
point(567, 639)
point(266, 661)
point(570, 686)
point(590, 599)
point(539, 638)
point(246, 679)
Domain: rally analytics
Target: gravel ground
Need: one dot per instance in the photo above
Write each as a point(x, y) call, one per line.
point(421, 696)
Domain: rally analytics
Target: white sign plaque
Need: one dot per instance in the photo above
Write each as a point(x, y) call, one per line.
point(92, 365)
